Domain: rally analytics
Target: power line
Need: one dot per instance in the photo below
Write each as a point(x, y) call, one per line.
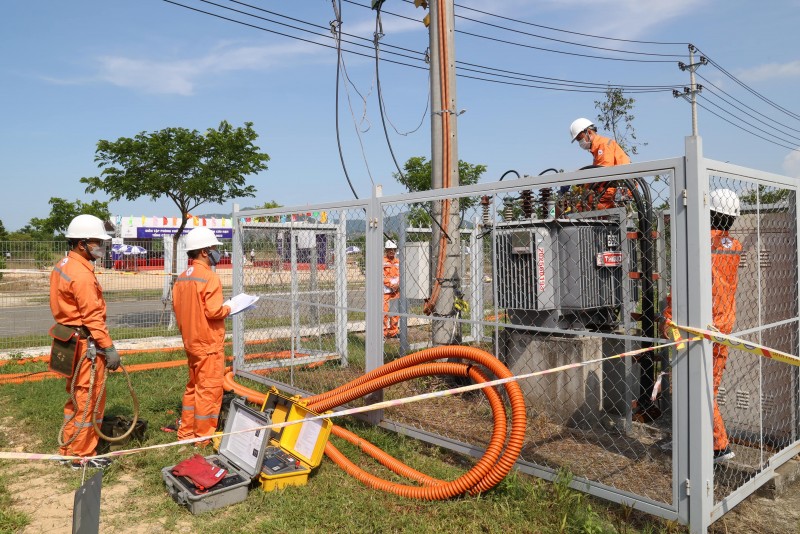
point(740, 119)
point(750, 89)
point(504, 41)
point(567, 83)
point(560, 29)
point(746, 130)
point(537, 36)
point(768, 124)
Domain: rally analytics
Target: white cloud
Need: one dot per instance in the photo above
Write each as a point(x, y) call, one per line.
point(181, 76)
point(791, 164)
point(771, 71)
point(623, 19)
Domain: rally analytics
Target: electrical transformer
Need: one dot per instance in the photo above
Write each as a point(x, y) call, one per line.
point(560, 273)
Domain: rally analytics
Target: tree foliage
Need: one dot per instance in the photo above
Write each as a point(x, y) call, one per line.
point(61, 213)
point(188, 167)
point(417, 177)
point(616, 116)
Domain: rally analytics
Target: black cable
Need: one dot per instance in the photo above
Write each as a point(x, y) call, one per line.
point(377, 36)
point(712, 84)
point(508, 172)
point(591, 56)
point(254, 26)
point(561, 30)
point(338, 14)
point(748, 88)
point(746, 130)
point(383, 120)
point(744, 121)
point(573, 43)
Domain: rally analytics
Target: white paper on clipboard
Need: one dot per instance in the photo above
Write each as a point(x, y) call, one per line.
point(307, 438)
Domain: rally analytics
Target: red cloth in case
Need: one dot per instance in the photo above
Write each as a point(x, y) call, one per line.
point(203, 474)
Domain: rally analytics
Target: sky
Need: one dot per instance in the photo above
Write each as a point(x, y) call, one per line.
point(77, 72)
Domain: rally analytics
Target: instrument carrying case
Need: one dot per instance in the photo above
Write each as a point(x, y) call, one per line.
point(241, 454)
point(293, 451)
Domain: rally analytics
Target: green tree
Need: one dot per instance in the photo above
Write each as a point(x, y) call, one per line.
point(417, 177)
point(61, 213)
point(188, 167)
point(3, 232)
point(766, 195)
point(615, 116)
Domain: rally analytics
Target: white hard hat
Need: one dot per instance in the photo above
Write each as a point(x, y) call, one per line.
point(725, 201)
point(390, 244)
point(200, 238)
point(87, 227)
point(577, 126)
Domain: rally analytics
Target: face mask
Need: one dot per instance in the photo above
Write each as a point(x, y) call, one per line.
point(98, 252)
point(213, 256)
point(585, 143)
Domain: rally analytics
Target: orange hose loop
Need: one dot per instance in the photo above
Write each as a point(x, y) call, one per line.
point(501, 453)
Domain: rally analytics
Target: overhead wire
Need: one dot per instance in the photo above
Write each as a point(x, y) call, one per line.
point(748, 88)
point(718, 88)
point(745, 129)
point(337, 36)
point(527, 23)
point(501, 76)
point(406, 56)
point(731, 114)
point(706, 89)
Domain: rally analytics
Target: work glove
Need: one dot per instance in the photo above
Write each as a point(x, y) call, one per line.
point(112, 358)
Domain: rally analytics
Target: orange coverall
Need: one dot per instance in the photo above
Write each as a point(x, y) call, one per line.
point(76, 299)
point(200, 314)
point(607, 153)
point(391, 277)
point(725, 253)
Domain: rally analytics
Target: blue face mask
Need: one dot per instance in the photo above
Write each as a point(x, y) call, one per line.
point(213, 256)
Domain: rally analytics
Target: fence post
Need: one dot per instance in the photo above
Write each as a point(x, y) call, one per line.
point(340, 288)
point(374, 319)
point(694, 309)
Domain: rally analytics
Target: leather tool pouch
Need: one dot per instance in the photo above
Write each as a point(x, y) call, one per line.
point(64, 351)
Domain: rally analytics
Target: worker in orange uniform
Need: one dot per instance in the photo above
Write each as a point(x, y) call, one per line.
point(725, 255)
point(200, 314)
point(606, 153)
point(391, 287)
point(76, 301)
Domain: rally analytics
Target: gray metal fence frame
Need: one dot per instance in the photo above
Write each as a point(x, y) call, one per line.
point(692, 474)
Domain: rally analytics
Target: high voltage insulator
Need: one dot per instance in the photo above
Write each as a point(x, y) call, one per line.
point(527, 203)
point(485, 207)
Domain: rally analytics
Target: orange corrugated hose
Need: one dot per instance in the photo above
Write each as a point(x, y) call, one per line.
point(501, 454)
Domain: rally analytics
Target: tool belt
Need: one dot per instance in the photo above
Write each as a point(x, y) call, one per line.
point(64, 350)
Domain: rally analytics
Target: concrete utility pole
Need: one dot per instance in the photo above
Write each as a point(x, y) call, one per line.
point(690, 93)
point(445, 245)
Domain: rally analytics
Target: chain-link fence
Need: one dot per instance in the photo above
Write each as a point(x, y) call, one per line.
point(557, 271)
point(561, 270)
point(134, 278)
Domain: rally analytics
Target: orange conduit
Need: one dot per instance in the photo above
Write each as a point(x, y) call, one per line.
point(501, 454)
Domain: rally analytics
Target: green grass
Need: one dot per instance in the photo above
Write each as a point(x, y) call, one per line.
point(331, 501)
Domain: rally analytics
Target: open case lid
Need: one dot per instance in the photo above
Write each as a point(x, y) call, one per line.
point(305, 440)
point(246, 449)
